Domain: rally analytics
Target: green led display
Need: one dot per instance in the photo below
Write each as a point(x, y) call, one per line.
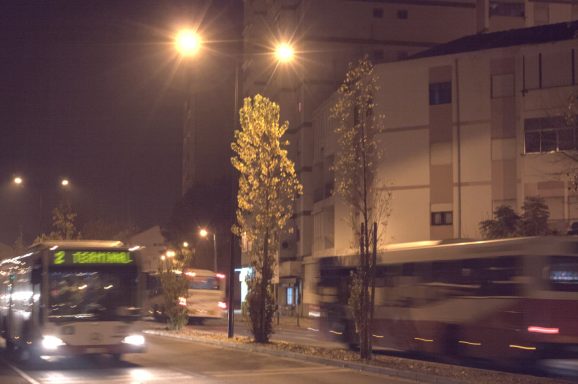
point(92, 257)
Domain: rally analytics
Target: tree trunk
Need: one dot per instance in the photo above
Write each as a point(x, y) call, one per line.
point(264, 281)
point(372, 271)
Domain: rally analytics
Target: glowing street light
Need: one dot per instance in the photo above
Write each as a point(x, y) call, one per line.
point(188, 42)
point(65, 182)
point(284, 53)
point(204, 234)
point(18, 180)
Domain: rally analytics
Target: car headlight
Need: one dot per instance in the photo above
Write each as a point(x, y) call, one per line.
point(52, 343)
point(136, 340)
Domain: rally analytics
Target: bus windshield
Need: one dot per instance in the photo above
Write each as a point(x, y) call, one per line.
point(91, 293)
point(203, 282)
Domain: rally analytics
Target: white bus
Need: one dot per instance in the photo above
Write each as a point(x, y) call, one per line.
point(71, 298)
point(504, 300)
point(205, 295)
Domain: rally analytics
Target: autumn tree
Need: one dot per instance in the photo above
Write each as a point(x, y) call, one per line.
point(63, 224)
point(268, 187)
point(174, 286)
point(357, 184)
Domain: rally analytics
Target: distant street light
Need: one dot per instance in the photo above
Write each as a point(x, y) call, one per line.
point(18, 180)
point(64, 182)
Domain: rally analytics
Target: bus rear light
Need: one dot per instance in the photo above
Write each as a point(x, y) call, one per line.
point(222, 305)
point(51, 343)
point(547, 331)
point(183, 301)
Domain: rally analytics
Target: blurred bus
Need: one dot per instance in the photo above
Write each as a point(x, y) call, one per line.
point(205, 295)
point(71, 297)
point(505, 300)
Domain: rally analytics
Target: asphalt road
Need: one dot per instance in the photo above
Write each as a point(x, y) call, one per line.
point(175, 361)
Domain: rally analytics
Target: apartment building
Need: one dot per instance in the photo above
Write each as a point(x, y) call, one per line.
point(470, 125)
point(329, 34)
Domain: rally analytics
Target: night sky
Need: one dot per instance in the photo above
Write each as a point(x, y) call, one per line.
point(93, 91)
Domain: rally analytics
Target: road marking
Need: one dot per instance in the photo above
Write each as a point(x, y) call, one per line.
point(23, 374)
point(274, 372)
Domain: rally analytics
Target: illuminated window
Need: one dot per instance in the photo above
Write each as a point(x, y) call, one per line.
point(442, 218)
point(290, 296)
point(440, 93)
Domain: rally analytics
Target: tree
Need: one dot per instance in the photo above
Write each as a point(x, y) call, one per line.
point(63, 224)
point(174, 286)
point(358, 186)
point(268, 187)
point(504, 224)
point(534, 218)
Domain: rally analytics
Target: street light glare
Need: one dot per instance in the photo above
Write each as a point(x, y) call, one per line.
point(188, 42)
point(284, 52)
point(203, 232)
point(64, 182)
point(18, 180)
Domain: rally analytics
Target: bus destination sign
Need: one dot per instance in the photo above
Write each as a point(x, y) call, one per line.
point(91, 257)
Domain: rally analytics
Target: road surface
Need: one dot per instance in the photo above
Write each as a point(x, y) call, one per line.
point(175, 361)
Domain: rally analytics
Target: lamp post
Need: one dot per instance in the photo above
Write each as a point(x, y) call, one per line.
point(204, 234)
point(189, 43)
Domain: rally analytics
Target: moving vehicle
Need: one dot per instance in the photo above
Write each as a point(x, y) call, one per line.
point(205, 298)
point(71, 297)
point(506, 300)
point(205, 295)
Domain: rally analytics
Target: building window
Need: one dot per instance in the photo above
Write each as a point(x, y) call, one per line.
point(548, 134)
point(402, 14)
point(440, 93)
point(378, 13)
point(442, 218)
point(510, 9)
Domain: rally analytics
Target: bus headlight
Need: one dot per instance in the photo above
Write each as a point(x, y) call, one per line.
point(136, 340)
point(51, 343)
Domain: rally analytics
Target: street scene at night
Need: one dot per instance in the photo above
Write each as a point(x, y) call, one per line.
point(316, 191)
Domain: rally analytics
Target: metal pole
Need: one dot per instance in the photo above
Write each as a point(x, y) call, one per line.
point(215, 251)
point(230, 309)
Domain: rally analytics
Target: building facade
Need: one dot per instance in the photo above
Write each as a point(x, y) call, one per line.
point(469, 126)
point(329, 34)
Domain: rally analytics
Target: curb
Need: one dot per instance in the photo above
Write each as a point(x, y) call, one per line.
point(416, 376)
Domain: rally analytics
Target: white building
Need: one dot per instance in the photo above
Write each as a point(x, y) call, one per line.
point(470, 125)
point(328, 34)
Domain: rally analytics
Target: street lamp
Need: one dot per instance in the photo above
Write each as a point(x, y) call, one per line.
point(188, 42)
point(204, 234)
